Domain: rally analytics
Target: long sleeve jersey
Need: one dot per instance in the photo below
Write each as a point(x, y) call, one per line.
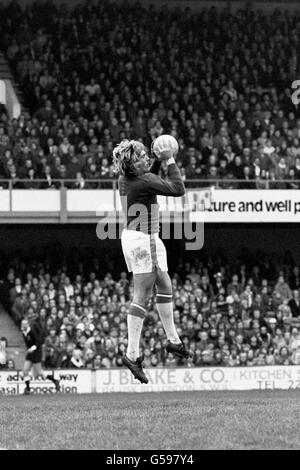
point(33, 337)
point(139, 196)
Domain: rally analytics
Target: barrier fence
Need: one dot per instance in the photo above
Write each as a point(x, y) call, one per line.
point(206, 204)
point(111, 183)
point(78, 381)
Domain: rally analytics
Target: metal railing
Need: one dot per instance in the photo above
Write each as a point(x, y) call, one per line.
point(112, 184)
point(38, 183)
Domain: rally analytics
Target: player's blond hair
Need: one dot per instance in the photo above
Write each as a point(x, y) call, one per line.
point(125, 154)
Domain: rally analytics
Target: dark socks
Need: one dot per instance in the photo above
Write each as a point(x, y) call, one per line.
point(51, 377)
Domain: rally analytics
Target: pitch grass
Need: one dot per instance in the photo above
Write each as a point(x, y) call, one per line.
point(163, 421)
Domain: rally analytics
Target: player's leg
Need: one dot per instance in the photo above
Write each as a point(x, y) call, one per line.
point(164, 305)
point(39, 372)
point(138, 252)
point(143, 286)
point(164, 292)
point(26, 376)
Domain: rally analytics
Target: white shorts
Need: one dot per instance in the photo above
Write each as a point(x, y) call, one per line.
point(143, 253)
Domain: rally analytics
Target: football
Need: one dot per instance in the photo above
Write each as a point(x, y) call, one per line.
point(165, 146)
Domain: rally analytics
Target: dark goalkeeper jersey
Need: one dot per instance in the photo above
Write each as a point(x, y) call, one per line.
point(139, 197)
point(34, 337)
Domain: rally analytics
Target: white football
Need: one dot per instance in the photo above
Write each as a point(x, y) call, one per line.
point(165, 143)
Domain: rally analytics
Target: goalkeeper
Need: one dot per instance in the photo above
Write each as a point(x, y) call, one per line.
point(144, 251)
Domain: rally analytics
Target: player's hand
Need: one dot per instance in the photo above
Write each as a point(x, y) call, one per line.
point(32, 349)
point(165, 155)
point(162, 156)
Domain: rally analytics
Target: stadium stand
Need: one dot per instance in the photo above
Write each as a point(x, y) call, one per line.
point(242, 312)
point(90, 79)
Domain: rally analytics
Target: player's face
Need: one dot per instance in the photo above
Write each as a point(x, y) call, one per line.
point(143, 164)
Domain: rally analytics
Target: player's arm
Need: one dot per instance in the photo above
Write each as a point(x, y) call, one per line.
point(172, 186)
point(156, 165)
point(155, 168)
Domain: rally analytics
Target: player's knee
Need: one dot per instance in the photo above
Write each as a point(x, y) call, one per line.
point(164, 284)
point(165, 290)
point(142, 301)
point(142, 297)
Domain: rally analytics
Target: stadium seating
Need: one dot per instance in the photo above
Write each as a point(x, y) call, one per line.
point(246, 312)
point(89, 79)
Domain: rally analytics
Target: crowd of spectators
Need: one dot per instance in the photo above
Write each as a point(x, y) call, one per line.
point(240, 313)
point(220, 82)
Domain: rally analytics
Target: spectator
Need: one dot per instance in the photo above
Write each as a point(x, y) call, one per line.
point(282, 289)
point(76, 359)
point(294, 304)
point(10, 365)
point(283, 358)
point(3, 353)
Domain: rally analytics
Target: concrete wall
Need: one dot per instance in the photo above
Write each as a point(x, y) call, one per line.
point(198, 5)
point(195, 5)
point(269, 237)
